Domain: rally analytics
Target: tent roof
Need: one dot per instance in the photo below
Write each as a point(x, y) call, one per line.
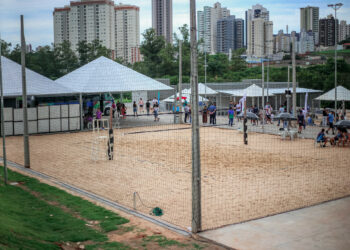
point(252, 91)
point(256, 91)
point(202, 90)
point(343, 94)
point(105, 75)
point(37, 85)
point(185, 93)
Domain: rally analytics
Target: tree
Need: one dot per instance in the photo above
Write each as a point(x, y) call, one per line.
point(150, 49)
point(65, 57)
point(96, 50)
point(83, 51)
point(5, 48)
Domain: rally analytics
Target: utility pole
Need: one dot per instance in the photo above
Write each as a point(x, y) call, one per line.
point(24, 98)
point(205, 72)
point(294, 77)
point(263, 89)
point(3, 123)
point(335, 7)
point(196, 164)
point(267, 78)
point(288, 93)
point(180, 80)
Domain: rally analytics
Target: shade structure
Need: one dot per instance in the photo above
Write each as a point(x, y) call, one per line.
point(252, 91)
point(37, 85)
point(343, 94)
point(284, 117)
point(282, 91)
point(250, 116)
point(186, 95)
point(104, 75)
point(343, 124)
point(205, 90)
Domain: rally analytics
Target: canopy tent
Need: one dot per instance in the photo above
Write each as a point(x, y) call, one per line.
point(205, 90)
point(252, 91)
point(37, 85)
point(105, 75)
point(186, 95)
point(343, 94)
point(282, 91)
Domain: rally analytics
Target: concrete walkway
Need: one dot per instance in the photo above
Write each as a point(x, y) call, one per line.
point(325, 226)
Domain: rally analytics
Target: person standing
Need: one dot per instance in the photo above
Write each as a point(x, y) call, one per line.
point(113, 108)
point(212, 113)
point(324, 117)
point(230, 116)
point(301, 121)
point(281, 110)
point(123, 110)
point(205, 115)
point(331, 120)
point(134, 107)
point(141, 105)
point(148, 106)
point(238, 110)
point(90, 106)
point(155, 112)
point(187, 111)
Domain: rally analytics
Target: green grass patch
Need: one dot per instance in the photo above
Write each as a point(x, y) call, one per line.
point(162, 241)
point(28, 221)
point(331, 52)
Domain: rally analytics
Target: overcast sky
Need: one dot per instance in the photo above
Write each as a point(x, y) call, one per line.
point(39, 22)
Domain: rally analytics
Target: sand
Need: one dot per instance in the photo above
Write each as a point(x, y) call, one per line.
point(239, 182)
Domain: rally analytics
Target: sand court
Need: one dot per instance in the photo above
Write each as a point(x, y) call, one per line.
point(239, 182)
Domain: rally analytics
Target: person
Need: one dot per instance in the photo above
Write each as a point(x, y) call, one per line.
point(90, 106)
point(238, 110)
point(155, 112)
point(212, 113)
point(141, 105)
point(148, 106)
point(187, 111)
point(310, 121)
point(324, 117)
point(281, 110)
point(230, 116)
point(118, 108)
point(338, 138)
point(205, 114)
point(321, 137)
point(98, 119)
point(268, 112)
point(190, 112)
point(134, 108)
point(154, 101)
point(123, 110)
point(330, 121)
point(301, 120)
point(345, 136)
point(87, 119)
point(113, 108)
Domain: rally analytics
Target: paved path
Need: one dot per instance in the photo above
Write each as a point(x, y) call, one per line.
point(325, 226)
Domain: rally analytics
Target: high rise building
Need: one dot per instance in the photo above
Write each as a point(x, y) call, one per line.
point(89, 20)
point(309, 17)
point(127, 33)
point(207, 26)
point(239, 33)
point(306, 42)
point(348, 31)
point(327, 28)
point(162, 18)
point(259, 32)
point(342, 35)
point(282, 42)
point(226, 35)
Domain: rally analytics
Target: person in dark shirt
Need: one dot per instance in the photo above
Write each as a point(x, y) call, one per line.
point(301, 121)
point(212, 113)
point(148, 106)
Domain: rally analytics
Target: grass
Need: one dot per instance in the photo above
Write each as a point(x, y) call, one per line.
point(331, 52)
point(34, 215)
point(30, 221)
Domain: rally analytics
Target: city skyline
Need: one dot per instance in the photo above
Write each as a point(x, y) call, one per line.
point(39, 25)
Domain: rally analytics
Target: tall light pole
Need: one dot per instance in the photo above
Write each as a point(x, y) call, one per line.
point(205, 71)
point(196, 164)
point(336, 7)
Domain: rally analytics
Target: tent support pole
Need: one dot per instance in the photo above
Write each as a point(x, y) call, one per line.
point(81, 112)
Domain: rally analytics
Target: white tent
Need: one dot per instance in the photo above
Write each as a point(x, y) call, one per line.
point(186, 93)
point(280, 91)
point(205, 90)
point(37, 85)
point(251, 91)
point(343, 94)
point(104, 75)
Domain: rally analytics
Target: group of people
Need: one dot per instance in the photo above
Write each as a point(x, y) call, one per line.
point(342, 137)
point(151, 106)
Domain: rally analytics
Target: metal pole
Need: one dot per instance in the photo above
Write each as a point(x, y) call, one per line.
point(180, 80)
point(335, 62)
point(3, 124)
point(81, 112)
point(24, 98)
point(263, 90)
point(245, 128)
point(196, 166)
point(267, 78)
point(294, 78)
point(205, 72)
